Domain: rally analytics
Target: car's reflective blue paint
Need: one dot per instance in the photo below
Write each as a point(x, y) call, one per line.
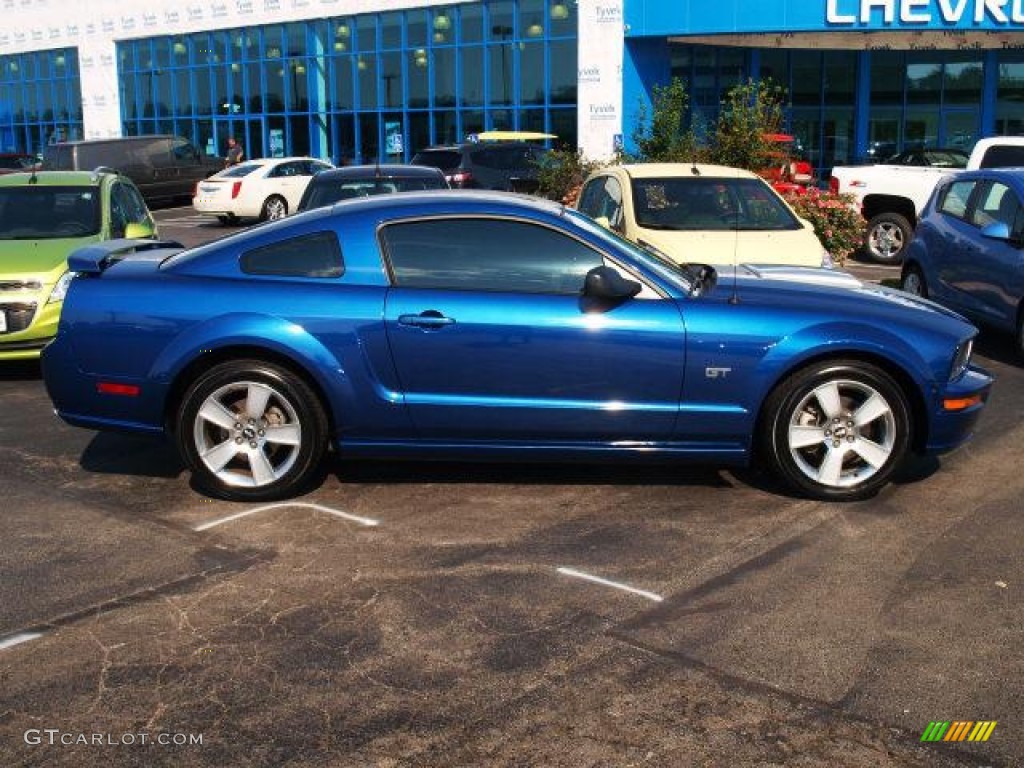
point(964, 268)
point(678, 374)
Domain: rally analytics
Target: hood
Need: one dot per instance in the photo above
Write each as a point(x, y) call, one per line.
point(833, 289)
point(797, 247)
point(43, 260)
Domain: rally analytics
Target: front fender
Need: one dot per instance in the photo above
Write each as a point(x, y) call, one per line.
point(845, 339)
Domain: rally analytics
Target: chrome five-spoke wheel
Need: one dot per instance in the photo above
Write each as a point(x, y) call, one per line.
point(251, 430)
point(838, 430)
point(247, 434)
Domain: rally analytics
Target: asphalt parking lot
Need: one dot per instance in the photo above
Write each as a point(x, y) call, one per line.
point(415, 614)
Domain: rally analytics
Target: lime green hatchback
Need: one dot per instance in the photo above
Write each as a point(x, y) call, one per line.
point(44, 216)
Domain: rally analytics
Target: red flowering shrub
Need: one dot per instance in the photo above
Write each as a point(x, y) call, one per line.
point(836, 220)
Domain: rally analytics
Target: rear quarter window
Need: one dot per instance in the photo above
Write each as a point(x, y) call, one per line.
point(314, 255)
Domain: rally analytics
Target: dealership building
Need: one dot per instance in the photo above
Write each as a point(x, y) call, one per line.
point(358, 80)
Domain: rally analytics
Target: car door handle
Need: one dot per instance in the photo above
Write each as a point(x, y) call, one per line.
point(430, 318)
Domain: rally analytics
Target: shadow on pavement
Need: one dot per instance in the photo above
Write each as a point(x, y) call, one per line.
point(20, 370)
point(114, 454)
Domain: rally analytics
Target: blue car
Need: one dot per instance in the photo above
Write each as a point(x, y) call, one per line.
point(968, 250)
point(486, 325)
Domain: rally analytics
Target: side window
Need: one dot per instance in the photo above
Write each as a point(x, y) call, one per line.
point(603, 197)
point(955, 198)
point(487, 255)
point(118, 214)
point(184, 152)
point(285, 170)
point(128, 204)
point(315, 255)
point(996, 203)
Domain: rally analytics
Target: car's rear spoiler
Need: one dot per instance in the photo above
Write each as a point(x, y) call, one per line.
point(93, 259)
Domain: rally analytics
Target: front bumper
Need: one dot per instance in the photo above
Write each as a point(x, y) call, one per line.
point(25, 344)
point(951, 428)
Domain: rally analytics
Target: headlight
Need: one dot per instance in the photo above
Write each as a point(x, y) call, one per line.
point(60, 290)
point(961, 359)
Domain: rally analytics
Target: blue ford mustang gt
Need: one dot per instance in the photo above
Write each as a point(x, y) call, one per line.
point(487, 325)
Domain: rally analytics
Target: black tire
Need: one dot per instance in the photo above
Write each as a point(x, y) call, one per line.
point(813, 441)
point(912, 281)
point(1019, 336)
point(270, 453)
point(274, 207)
point(887, 238)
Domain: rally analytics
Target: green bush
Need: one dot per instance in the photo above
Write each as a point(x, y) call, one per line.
point(663, 138)
point(837, 223)
point(561, 175)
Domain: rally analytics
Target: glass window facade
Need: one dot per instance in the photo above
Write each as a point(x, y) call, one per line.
point(40, 100)
point(911, 99)
point(360, 88)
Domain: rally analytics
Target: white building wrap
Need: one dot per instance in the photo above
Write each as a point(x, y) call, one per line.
point(599, 94)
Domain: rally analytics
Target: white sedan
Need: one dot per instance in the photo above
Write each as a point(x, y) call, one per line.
point(267, 188)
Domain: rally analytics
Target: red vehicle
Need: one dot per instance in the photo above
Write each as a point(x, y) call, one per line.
point(788, 174)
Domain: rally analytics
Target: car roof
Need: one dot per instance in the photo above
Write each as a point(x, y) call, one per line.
point(663, 170)
point(388, 170)
point(1014, 173)
point(452, 201)
point(54, 178)
point(478, 145)
point(278, 160)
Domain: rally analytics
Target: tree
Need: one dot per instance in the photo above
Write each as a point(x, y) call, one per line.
point(750, 112)
point(666, 138)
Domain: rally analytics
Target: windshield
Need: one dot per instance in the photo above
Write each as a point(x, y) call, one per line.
point(325, 193)
point(652, 258)
point(48, 213)
point(722, 204)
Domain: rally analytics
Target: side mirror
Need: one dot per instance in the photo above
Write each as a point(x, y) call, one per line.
point(606, 283)
point(139, 232)
point(997, 230)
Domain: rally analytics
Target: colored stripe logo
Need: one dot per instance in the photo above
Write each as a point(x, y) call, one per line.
point(959, 730)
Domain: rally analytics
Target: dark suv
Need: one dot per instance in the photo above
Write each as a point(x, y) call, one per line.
point(508, 165)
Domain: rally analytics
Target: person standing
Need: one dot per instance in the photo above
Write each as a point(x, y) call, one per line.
point(235, 153)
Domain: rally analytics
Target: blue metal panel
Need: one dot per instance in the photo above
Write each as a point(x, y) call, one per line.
point(699, 17)
point(646, 63)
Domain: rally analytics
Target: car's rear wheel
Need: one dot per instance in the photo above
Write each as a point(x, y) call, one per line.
point(274, 207)
point(251, 430)
point(913, 282)
point(837, 430)
point(887, 238)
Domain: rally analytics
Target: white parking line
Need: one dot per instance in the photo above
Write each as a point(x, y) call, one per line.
point(614, 584)
point(23, 637)
point(282, 505)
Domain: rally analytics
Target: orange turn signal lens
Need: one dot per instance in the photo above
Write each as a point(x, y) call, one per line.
point(960, 403)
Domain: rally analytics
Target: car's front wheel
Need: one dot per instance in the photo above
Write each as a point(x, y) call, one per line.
point(251, 431)
point(887, 238)
point(837, 430)
point(913, 282)
point(274, 207)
